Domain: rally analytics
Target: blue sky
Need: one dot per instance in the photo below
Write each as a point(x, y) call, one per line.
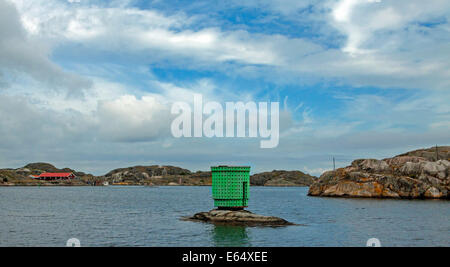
point(89, 84)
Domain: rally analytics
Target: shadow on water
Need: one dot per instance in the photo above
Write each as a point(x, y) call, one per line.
point(230, 236)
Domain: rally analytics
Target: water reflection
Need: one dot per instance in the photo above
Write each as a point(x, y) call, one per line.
point(230, 236)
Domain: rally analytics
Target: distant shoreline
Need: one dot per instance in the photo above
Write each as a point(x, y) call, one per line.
point(418, 174)
point(154, 175)
point(87, 185)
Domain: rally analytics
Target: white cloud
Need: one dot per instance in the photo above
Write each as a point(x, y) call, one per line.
point(21, 54)
point(385, 46)
point(362, 20)
point(130, 119)
point(107, 128)
point(380, 49)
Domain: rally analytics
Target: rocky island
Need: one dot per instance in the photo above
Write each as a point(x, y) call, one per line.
point(230, 188)
point(282, 178)
point(418, 174)
point(171, 175)
point(237, 217)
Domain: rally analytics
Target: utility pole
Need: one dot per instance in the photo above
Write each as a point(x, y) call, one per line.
point(437, 154)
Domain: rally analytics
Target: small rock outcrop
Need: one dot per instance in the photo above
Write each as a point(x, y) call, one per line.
point(139, 173)
point(416, 174)
point(237, 217)
point(282, 178)
point(165, 175)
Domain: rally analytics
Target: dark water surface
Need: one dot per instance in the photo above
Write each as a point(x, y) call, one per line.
point(149, 216)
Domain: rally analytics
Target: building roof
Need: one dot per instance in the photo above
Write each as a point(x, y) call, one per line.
point(55, 174)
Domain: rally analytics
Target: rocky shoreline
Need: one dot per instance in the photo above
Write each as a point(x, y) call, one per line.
point(153, 175)
point(419, 174)
point(237, 217)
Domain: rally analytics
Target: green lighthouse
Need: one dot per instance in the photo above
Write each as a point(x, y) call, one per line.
point(230, 186)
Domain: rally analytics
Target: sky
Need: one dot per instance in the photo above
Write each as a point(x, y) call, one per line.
point(89, 84)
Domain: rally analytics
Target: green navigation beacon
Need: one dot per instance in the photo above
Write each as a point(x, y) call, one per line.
point(230, 186)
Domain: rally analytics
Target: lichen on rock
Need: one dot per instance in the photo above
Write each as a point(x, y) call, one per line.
point(411, 175)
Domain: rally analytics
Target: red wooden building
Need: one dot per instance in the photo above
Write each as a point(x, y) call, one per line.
point(55, 176)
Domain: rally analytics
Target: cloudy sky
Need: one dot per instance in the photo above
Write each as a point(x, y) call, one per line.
point(89, 84)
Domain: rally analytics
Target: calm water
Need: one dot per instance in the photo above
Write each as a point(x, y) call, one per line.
point(149, 216)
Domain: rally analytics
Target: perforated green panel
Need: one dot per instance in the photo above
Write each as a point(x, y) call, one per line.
point(230, 186)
